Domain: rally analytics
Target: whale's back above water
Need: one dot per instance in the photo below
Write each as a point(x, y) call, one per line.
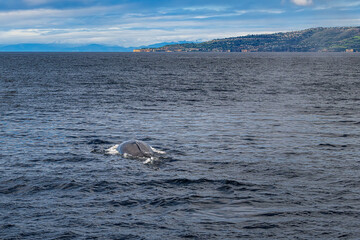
point(135, 148)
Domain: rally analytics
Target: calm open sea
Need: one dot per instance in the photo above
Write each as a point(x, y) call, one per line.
point(259, 145)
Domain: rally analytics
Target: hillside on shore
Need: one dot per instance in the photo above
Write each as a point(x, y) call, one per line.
point(334, 39)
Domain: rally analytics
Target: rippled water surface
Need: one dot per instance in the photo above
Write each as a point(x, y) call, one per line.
point(259, 146)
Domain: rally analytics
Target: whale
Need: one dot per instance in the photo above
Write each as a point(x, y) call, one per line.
point(136, 149)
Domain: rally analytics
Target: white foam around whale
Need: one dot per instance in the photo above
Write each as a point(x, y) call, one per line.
point(113, 150)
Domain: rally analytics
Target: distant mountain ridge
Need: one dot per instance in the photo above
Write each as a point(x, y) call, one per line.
point(333, 39)
point(54, 47)
point(35, 47)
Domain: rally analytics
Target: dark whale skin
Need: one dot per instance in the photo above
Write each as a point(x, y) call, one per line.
point(136, 148)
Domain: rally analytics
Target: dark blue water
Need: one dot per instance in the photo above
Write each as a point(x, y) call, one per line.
point(259, 146)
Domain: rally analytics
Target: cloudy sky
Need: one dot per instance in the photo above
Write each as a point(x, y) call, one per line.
point(143, 22)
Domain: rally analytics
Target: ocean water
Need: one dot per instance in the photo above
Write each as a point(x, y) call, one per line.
point(258, 145)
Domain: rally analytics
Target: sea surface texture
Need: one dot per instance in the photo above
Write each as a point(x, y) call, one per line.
point(258, 146)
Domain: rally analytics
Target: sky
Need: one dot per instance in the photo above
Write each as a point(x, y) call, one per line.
point(132, 23)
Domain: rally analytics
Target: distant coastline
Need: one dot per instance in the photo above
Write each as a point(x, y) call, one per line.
point(58, 47)
point(333, 39)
